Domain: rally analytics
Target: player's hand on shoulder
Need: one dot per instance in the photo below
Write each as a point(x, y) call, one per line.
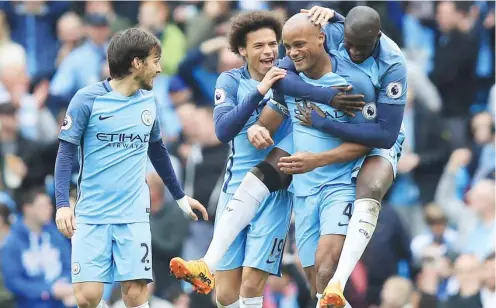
point(347, 103)
point(273, 75)
point(66, 221)
point(259, 137)
point(319, 15)
point(188, 204)
point(298, 163)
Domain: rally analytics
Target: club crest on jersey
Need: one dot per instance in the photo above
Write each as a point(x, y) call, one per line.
point(394, 90)
point(369, 111)
point(76, 268)
point(147, 118)
point(220, 96)
point(67, 122)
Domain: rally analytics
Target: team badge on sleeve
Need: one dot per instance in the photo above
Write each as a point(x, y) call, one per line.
point(369, 111)
point(394, 90)
point(67, 122)
point(76, 268)
point(147, 118)
point(220, 96)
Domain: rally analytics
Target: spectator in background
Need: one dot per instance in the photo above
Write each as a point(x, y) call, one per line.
point(6, 298)
point(488, 291)
point(169, 229)
point(281, 292)
point(212, 21)
point(440, 240)
point(397, 293)
point(36, 123)
point(23, 162)
point(70, 35)
point(424, 153)
point(475, 221)
point(84, 65)
point(105, 7)
point(36, 257)
point(468, 295)
point(32, 24)
point(454, 68)
point(153, 16)
point(483, 152)
point(201, 79)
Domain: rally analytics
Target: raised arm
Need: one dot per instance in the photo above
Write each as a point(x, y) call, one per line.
point(293, 85)
point(230, 115)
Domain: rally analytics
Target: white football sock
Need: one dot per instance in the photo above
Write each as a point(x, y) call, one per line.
point(235, 217)
point(102, 304)
point(251, 302)
point(233, 305)
point(145, 305)
point(319, 296)
point(360, 230)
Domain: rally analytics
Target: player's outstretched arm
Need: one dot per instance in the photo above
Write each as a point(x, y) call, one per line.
point(230, 116)
point(305, 161)
point(383, 132)
point(293, 85)
point(159, 156)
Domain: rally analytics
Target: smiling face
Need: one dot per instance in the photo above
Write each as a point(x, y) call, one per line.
point(261, 50)
point(303, 44)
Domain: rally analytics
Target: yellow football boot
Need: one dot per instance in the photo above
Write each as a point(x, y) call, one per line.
point(195, 272)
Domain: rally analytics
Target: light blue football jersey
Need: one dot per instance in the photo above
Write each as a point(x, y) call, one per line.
point(112, 132)
point(386, 67)
point(232, 88)
point(307, 139)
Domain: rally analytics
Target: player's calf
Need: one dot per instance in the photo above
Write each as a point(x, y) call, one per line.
point(327, 258)
point(135, 293)
point(89, 295)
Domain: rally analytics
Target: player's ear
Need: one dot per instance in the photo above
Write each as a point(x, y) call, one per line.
point(242, 51)
point(321, 37)
point(136, 64)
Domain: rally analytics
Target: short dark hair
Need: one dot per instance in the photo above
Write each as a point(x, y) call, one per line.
point(27, 195)
point(127, 45)
point(4, 214)
point(245, 23)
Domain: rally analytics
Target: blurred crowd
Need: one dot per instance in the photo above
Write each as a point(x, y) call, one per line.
point(434, 244)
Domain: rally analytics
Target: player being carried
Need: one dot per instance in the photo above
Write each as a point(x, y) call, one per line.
point(114, 125)
point(377, 173)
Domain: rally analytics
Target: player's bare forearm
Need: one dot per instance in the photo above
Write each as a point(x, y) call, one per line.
point(346, 152)
point(303, 162)
point(270, 119)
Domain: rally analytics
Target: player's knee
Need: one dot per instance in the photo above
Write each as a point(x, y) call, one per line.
point(373, 189)
point(268, 175)
point(134, 291)
point(253, 285)
point(224, 299)
point(85, 298)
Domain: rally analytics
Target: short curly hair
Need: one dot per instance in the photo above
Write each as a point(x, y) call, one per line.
point(245, 23)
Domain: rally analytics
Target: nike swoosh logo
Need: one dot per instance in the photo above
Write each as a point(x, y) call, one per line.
point(342, 224)
point(269, 262)
point(104, 118)
point(147, 268)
